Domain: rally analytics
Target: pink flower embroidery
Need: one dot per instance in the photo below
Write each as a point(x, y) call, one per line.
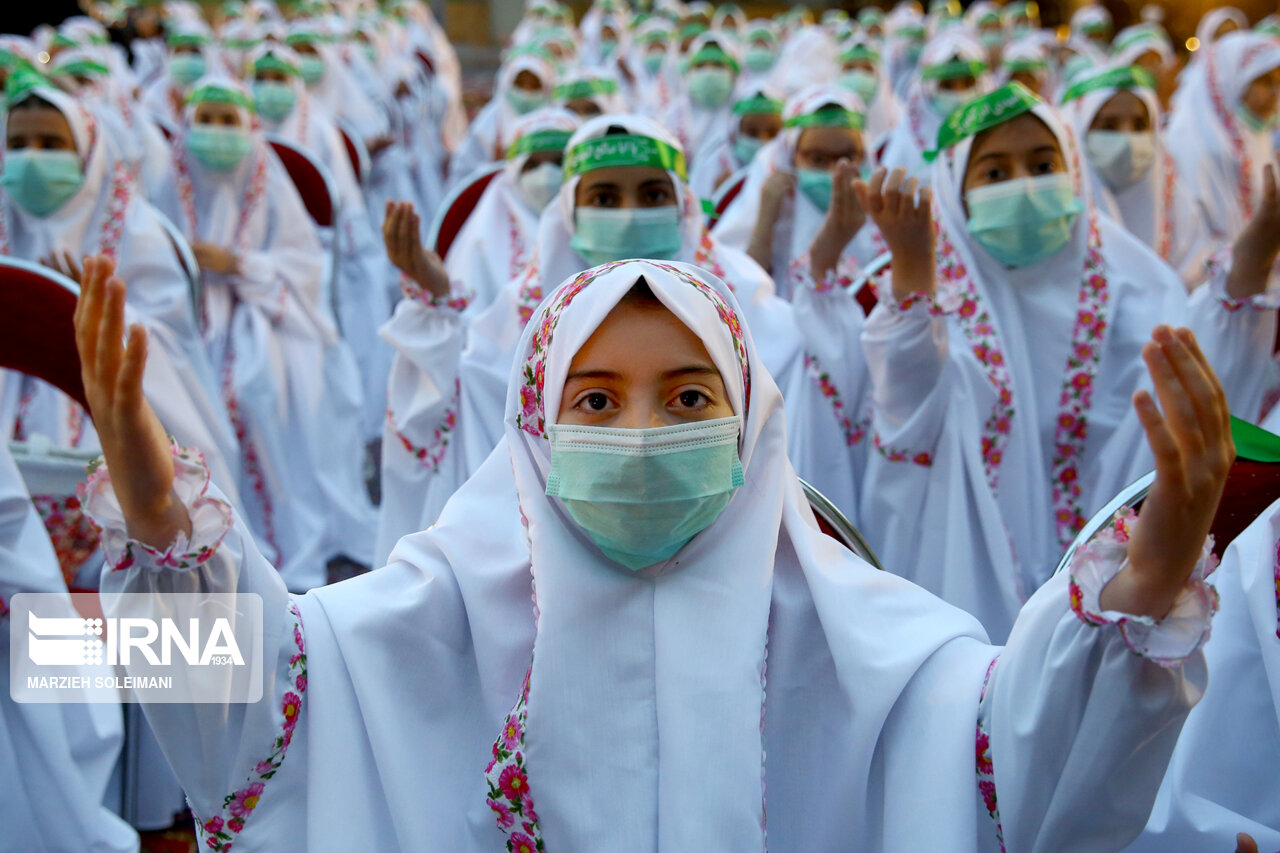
point(504, 817)
point(246, 799)
point(292, 704)
point(213, 824)
point(513, 782)
point(511, 734)
point(521, 843)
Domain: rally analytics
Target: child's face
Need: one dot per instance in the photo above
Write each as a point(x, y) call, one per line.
point(221, 115)
point(1262, 94)
point(38, 128)
point(762, 126)
point(821, 148)
point(537, 158)
point(1125, 112)
point(642, 368)
point(528, 81)
point(1021, 148)
point(1029, 79)
point(584, 108)
point(625, 187)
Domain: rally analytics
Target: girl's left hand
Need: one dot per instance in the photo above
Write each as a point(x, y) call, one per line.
point(1193, 450)
point(215, 258)
point(64, 263)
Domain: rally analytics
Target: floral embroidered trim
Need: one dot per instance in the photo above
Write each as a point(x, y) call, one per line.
point(211, 518)
point(1167, 642)
point(840, 278)
point(529, 294)
point(432, 453)
point(1165, 232)
point(727, 316)
point(911, 300)
point(853, 432)
point(705, 257)
point(1239, 151)
point(251, 463)
point(1072, 428)
point(1218, 267)
point(517, 251)
point(985, 766)
point(219, 831)
point(249, 204)
point(893, 454)
point(508, 779)
point(73, 535)
point(412, 290)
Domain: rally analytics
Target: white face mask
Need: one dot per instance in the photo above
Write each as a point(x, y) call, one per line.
point(947, 101)
point(1121, 158)
point(540, 184)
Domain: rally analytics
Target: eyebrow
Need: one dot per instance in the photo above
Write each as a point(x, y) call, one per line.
point(690, 370)
point(592, 374)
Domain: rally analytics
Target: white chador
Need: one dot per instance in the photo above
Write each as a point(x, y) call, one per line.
point(1222, 777)
point(436, 705)
point(448, 381)
point(55, 759)
point(1002, 412)
point(293, 387)
point(488, 128)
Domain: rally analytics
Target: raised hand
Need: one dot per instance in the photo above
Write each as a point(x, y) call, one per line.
point(133, 441)
point(401, 234)
point(214, 258)
point(1191, 442)
point(64, 263)
point(845, 217)
point(776, 188)
point(905, 219)
point(1256, 247)
point(1245, 843)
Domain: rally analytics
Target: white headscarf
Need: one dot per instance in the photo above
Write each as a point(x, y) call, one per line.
point(607, 102)
point(694, 125)
point(1207, 29)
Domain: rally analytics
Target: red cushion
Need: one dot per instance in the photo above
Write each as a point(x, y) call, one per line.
point(866, 297)
point(1251, 488)
point(310, 182)
point(459, 210)
point(729, 195)
point(353, 154)
point(37, 335)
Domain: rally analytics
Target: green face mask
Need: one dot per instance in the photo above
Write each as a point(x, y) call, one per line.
point(606, 234)
point(312, 69)
point(218, 148)
point(991, 38)
point(861, 83)
point(608, 47)
point(1025, 220)
point(710, 87)
point(758, 59)
point(653, 61)
point(1258, 125)
point(40, 182)
point(369, 53)
point(816, 186)
point(745, 148)
point(274, 100)
point(523, 101)
point(186, 68)
point(642, 494)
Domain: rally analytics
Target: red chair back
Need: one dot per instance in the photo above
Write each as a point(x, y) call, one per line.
point(458, 206)
point(1251, 488)
point(725, 196)
point(37, 333)
point(311, 181)
point(357, 154)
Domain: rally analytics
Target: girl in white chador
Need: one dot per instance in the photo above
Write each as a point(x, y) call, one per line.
point(704, 111)
point(757, 121)
point(629, 706)
point(1001, 402)
point(524, 83)
point(625, 192)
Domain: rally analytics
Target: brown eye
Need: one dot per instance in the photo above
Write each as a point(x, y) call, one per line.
point(692, 399)
point(596, 402)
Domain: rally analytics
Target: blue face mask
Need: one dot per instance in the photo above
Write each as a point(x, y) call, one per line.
point(1025, 220)
point(523, 101)
point(745, 148)
point(218, 148)
point(653, 61)
point(758, 59)
point(710, 87)
point(274, 100)
point(862, 83)
point(642, 494)
point(607, 234)
point(1258, 125)
point(311, 68)
point(40, 181)
point(186, 68)
point(816, 186)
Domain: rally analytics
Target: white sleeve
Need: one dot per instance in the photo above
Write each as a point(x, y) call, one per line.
point(906, 348)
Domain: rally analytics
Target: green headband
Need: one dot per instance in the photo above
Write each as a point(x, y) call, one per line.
point(860, 52)
point(692, 30)
point(954, 68)
point(830, 116)
point(271, 62)
point(713, 52)
point(870, 15)
point(1007, 102)
point(214, 94)
point(758, 104)
point(188, 40)
point(22, 80)
point(1136, 37)
point(655, 35)
point(539, 140)
point(64, 40)
point(1031, 66)
point(761, 33)
point(82, 68)
point(241, 44)
point(1271, 27)
point(302, 38)
point(911, 31)
point(585, 88)
point(1129, 77)
point(1094, 27)
point(628, 150)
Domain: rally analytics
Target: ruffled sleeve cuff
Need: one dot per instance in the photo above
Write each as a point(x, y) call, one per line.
point(1166, 642)
point(840, 278)
point(456, 300)
point(1219, 267)
point(918, 300)
point(211, 518)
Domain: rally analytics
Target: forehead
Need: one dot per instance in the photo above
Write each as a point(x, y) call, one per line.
point(828, 139)
point(1123, 103)
point(1022, 135)
point(625, 176)
point(37, 118)
point(214, 110)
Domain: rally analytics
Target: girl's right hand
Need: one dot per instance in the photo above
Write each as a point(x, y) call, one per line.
point(905, 220)
point(133, 441)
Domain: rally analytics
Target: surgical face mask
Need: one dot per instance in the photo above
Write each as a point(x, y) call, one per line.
point(312, 69)
point(186, 68)
point(816, 186)
point(653, 61)
point(758, 59)
point(913, 52)
point(710, 87)
point(218, 148)
point(608, 47)
point(524, 101)
point(540, 184)
point(1025, 220)
point(605, 234)
point(41, 181)
point(861, 83)
point(745, 148)
point(947, 101)
point(991, 38)
point(369, 52)
point(1258, 125)
point(642, 494)
point(274, 100)
point(1120, 158)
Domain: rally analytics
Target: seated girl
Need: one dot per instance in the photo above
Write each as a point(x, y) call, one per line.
point(757, 121)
